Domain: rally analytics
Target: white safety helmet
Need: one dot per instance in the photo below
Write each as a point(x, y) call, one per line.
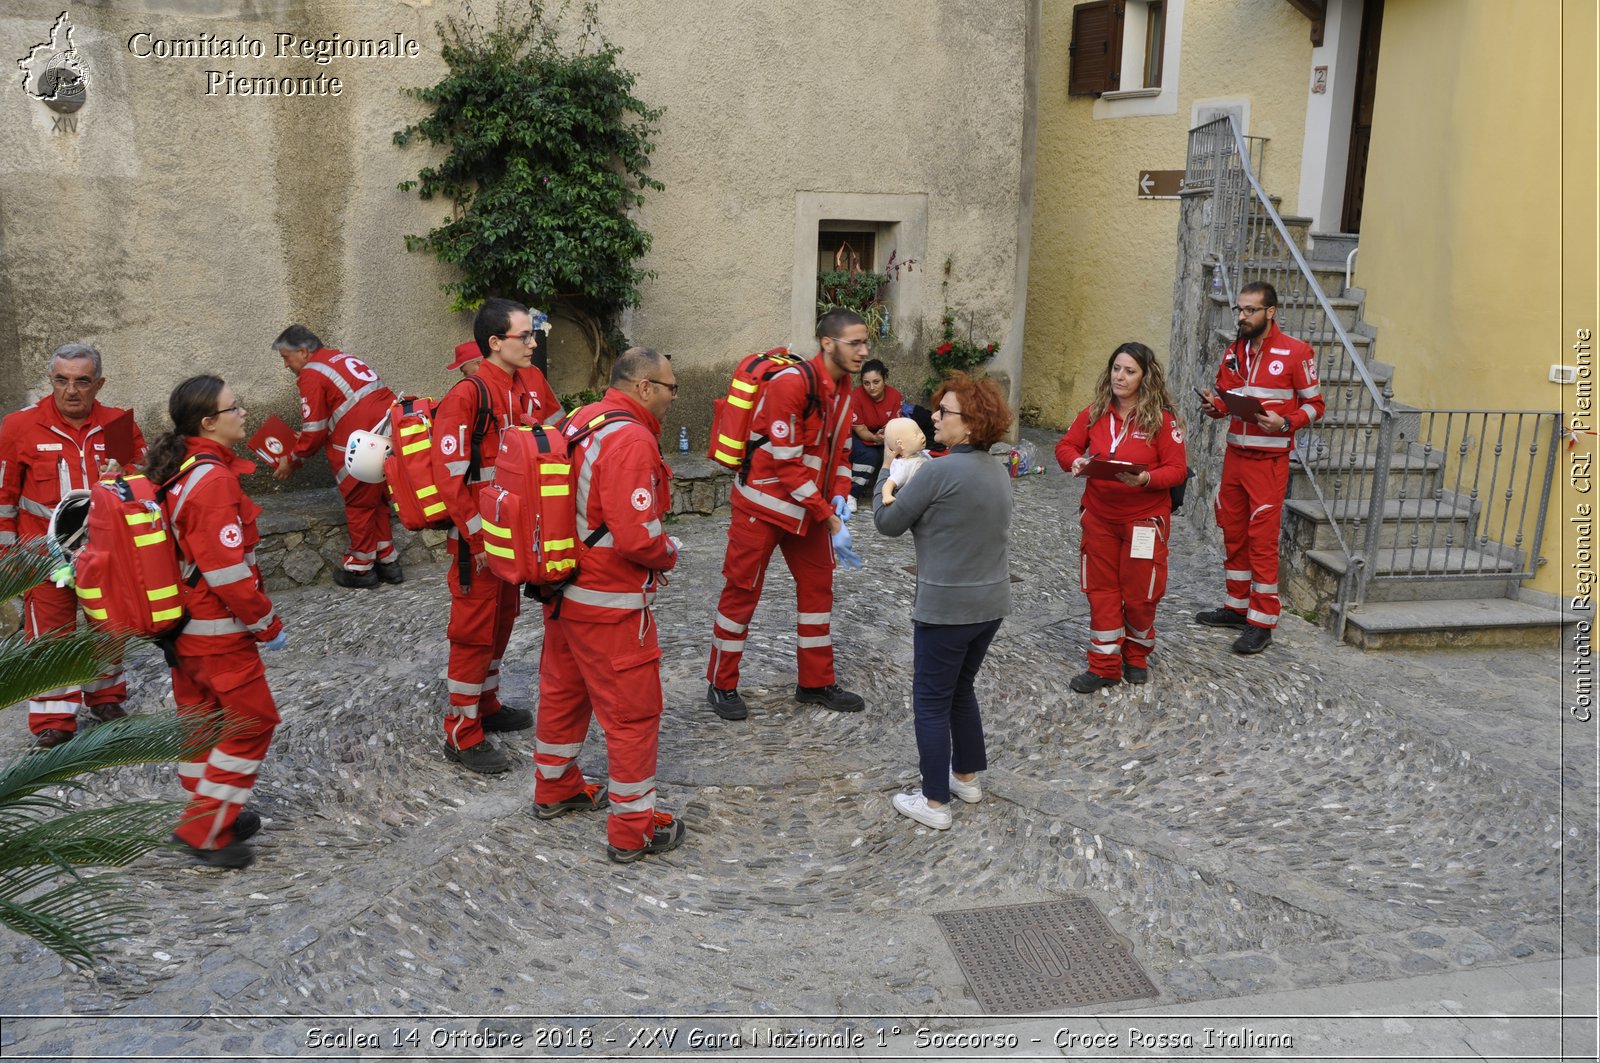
point(364, 455)
point(69, 524)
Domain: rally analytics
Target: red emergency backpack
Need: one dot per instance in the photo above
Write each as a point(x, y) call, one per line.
point(408, 470)
point(731, 444)
point(530, 511)
point(128, 574)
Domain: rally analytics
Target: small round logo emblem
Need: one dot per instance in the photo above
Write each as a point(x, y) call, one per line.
point(641, 500)
point(231, 536)
point(1275, 368)
point(274, 445)
point(447, 445)
point(780, 429)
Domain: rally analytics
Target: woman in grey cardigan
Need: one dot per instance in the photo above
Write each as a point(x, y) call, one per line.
point(958, 510)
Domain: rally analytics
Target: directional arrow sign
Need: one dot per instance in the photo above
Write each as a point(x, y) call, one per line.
point(1160, 184)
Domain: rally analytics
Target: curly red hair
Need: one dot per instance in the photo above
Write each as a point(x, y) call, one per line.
point(983, 408)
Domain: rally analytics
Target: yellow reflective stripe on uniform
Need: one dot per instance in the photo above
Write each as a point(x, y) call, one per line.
point(499, 551)
point(166, 614)
point(413, 429)
point(556, 470)
point(162, 592)
point(151, 539)
point(556, 489)
point(742, 403)
point(422, 444)
point(560, 544)
point(437, 507)
point(94, 614)
point(724, 441)
point(495, 529)
point(147, 517)
point(745, 385)
point(560, 566)
point(427, 492)
point(90, 592)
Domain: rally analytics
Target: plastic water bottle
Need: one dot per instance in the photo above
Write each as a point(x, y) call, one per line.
point(1216, 279)
point(683, 439)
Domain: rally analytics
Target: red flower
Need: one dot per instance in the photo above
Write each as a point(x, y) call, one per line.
point(943, 348)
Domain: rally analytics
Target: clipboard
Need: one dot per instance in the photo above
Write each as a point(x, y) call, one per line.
point(273, 441)
point(1108, 469)
point(118, 433)
point(1244, 407)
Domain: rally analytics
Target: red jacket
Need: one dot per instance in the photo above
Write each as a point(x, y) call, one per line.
point(513, 401)
point(1112, 437)
point(805, 460)
point(1282, 373)
point(623, 483)
point(339, 394)
point(215, 524)
point(873, 415)
point(41, 456)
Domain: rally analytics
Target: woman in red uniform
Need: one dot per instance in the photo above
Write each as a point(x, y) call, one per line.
point(216, 665)
point(1126, 519)
point(872, 405)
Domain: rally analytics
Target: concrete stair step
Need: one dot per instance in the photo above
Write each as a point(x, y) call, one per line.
point(1461, 622)
point(1443, 562)
point(1430, 522)
point(1345, 469)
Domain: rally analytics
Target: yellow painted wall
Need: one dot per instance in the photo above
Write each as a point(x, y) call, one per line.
point(1101, 269)
point(1461, 243)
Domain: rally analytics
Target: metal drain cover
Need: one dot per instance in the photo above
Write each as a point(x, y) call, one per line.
point(1043, 957)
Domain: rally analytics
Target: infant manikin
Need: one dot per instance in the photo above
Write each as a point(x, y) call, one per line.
point(903, 444)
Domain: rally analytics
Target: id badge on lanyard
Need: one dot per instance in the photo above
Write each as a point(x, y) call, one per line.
point(1116, 436)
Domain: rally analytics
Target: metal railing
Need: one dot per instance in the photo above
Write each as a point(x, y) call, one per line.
point(1437, 494)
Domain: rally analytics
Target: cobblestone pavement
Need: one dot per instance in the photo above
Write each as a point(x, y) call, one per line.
point(1310, 817)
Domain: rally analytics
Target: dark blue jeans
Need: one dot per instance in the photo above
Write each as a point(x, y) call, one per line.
point(949, 730)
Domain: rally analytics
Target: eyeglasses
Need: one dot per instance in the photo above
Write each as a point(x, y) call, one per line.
point(520, 337)
point(237, 407)
point(81, 383)
point(663, 384)
point(849, 343)
point(1248, 311)
point(946, 411)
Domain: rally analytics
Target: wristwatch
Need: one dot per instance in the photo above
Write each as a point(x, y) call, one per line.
point(1285, 429)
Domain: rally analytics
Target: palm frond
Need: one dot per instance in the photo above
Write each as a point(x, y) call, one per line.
point(143, 738)
point(76, 919)
point(29, 667)
point(25, 565)
point(113, 836)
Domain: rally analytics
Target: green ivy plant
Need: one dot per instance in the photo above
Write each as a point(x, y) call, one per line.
point(546, 152)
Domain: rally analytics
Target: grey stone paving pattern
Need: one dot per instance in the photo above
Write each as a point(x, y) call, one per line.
point(1307, 817)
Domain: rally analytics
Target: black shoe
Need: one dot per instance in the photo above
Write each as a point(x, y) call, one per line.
point(591, 798)
point(51, 737)
point(234, 856)
point(485, 758)
point(391, 572)
point(1254, 640)
point(1221, 616)
point(106, 713)
point(245, 826)
point(1134, 674)
point(668, 835)
point(1088, 682)
point(507, 719)
point(355, 580)
point(727, 703)
point(833, 697)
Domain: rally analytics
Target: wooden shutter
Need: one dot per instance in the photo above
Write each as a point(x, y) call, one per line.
point(1096, 48)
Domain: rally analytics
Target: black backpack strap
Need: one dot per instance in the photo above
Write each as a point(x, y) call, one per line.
point(481, 419)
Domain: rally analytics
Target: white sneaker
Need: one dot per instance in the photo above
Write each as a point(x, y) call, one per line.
point(970, 792)
point(916, 806)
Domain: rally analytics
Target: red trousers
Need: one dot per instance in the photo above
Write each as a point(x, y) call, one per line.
point(809, 556)
point(1123, 591)
point(49, 608)
point(611, 672)
point(1250, 514)
point(481, 619)
point(219, 783)
point(366, 516)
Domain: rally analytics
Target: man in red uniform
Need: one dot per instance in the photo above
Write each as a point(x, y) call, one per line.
point(483, 608)
point(57, 445)
point(601, 657)
point(340, 394)
point(799, 459)
point(1281, 373)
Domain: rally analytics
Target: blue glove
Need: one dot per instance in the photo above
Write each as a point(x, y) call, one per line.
point(905, 409)
point(842, 549)
point(278, 641)
point(843, 506)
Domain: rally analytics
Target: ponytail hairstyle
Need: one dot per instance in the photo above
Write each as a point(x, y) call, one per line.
point(191, 403)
